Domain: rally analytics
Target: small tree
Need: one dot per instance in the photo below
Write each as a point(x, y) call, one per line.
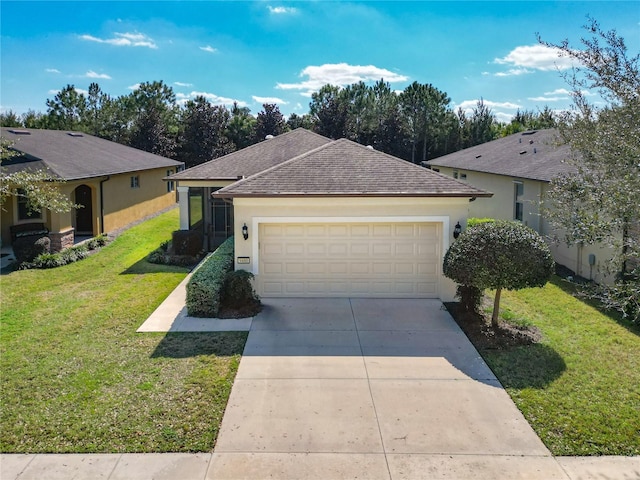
point(499, 255)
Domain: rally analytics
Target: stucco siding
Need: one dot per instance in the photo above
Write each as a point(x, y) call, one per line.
point(124, 204)
point(501, 206)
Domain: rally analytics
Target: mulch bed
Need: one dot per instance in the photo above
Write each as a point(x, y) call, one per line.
point(478, 329)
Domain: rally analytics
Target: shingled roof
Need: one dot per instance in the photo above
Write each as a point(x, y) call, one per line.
point(75, 155)
point(536, 155)
point(346, 168)
point(255, 158)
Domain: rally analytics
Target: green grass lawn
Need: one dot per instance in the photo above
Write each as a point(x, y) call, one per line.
point(75, 377)
point(580, 386)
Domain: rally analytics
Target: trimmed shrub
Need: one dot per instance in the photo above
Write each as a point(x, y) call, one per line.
point(473, 221)
point(238, 290)
point(27, 248)
point(59, 259)
point(97, 242)
point(499, 255)
point(204, 289)
point(187, 242)
point(470, 298)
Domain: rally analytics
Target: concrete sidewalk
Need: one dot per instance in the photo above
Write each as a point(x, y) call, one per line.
point(348, 388)
point(198, 466)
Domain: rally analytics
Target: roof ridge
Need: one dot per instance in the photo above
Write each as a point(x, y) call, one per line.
point(253, 147)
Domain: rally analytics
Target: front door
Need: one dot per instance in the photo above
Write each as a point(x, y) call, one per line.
point(84, 215)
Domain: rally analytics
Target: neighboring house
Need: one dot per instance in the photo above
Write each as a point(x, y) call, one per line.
point(115, 184)
point(316, 217)
point(518, 169)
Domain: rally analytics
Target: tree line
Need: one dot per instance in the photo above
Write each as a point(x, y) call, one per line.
point(416, 124)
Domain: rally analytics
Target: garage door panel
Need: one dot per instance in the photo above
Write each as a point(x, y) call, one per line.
point(272, 268)
point(338, 230)
point(363, 259)
point(295, 249)
point(360, 249)
point(382, 249)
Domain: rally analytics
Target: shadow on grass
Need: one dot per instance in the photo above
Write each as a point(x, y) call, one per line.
point(530, 366)
point(143, 266)
point(187, 345)
point(575, 289)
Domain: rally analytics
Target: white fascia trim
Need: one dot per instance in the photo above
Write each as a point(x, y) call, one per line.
point(256, 221)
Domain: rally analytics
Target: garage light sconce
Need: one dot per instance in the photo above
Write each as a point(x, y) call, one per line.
point(245, 231)
point(457, 230)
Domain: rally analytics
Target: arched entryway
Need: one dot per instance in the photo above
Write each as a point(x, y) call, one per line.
point(84, 215)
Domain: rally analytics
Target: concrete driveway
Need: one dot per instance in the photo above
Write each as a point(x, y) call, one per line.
point(370, 388)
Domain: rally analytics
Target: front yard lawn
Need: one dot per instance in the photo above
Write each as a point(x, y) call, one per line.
point(75, 377)
point(579, 384)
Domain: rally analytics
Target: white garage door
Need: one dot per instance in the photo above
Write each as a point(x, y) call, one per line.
point(349, 259)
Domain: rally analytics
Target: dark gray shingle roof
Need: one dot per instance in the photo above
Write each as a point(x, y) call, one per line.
point(345, 168)
point(255, 158)
point(75, 156)
point(536, 155)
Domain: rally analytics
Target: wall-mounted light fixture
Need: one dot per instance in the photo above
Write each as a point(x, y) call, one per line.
point(457, 230)
point(245, 231)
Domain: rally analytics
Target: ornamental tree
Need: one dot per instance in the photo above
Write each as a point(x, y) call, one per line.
point(499, 255)
point(39, 187)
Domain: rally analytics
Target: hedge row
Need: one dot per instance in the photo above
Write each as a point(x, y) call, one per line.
point(204, 289)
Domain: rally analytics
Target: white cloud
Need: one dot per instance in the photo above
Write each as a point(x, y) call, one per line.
point(339, 74)
point(81, 91)
point(537, 57)
point(92, 74)
point(135, 86)
point(558, 91)
point(52, 70)
point(182, 84)
point(209, 49)
point(547, 99)
point(124, 40)
point(504, 117)
point(469, 105)
point(183, 98)
point(282, 10)
point(512, 72)
point(263, 100)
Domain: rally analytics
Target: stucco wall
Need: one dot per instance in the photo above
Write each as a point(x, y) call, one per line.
point(252, 212)
point(122, 204)
point(501, 206)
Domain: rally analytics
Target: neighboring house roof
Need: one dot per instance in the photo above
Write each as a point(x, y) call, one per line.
point(536, 155)
point(75, 155)
point(255, 158)
point(346, 168)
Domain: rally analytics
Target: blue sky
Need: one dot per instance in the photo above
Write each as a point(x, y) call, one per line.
point(280, 52)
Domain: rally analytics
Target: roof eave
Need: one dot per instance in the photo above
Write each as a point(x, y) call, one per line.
point(220, 194)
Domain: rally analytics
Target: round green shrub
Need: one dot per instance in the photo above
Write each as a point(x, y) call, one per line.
point(27, 248)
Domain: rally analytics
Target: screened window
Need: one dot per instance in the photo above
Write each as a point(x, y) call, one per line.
point(518, 194)
point(170, 185)
point(135, 181)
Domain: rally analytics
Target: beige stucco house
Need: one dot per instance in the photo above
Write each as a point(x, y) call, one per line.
point(115, 184)
point(518, 169)
point(317, 217)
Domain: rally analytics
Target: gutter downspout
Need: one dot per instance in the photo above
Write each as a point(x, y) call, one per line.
point(102, 203)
